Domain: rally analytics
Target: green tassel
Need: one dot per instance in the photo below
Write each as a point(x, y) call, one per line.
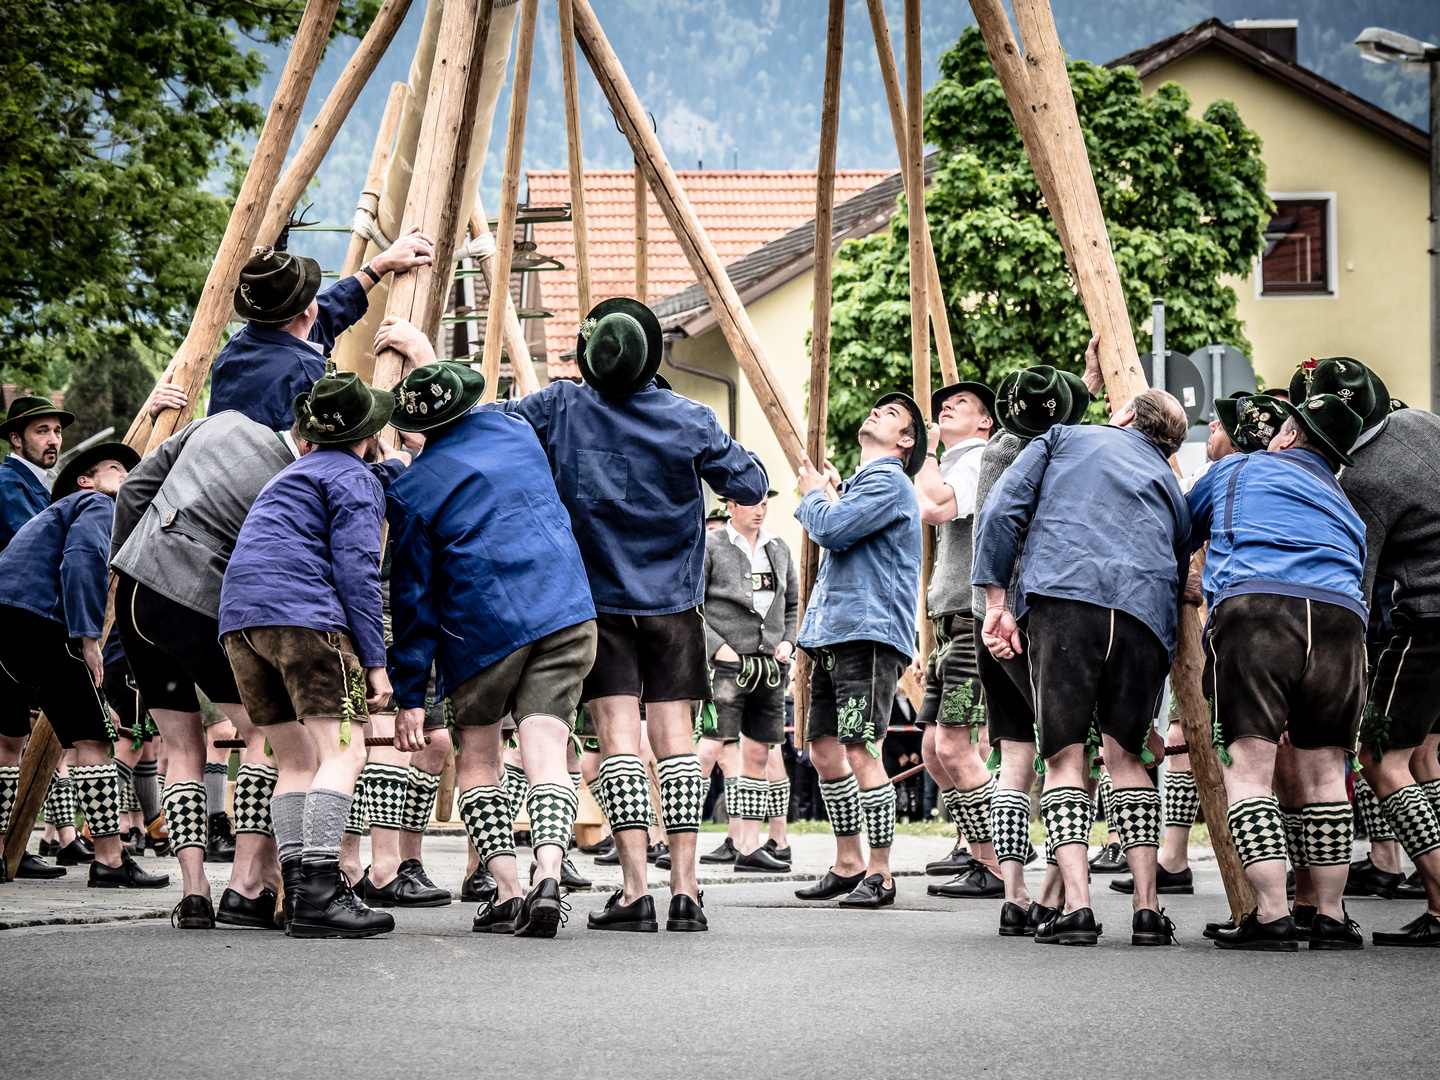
point(344, 733)
point(1038, 765)
point(993, 761)
point(709, 718)
point(268, 751)
point(874, 750)
point(1146, 757)
point(1225, 758)
point(974, 734)
point(512, 743)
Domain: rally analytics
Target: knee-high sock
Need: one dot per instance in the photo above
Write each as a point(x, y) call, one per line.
point(356, 819)
point(754, 797)
point(9, 789)
point(842, 803)
point(147, 789)
point(287, 814)
point(515, 786)
point(1258, 828)
point(552, 814)
point(254, 788)
point(1295, 837)
point(732, 798)
point(1102, 798)
point(1010, 824)
point(950, 797)
point(682, 792)
point(627, 792)
point(419, 799)
point(215, 774)
point(485, 810)
point(597, 792)
point(779, 799)
point(97, 791)
point(385, 791)
point(1066, 812)
point(877, 804)
point(59, 800)
point(1431, 788)
point(1377, 826)
point(125, 777)
point(325, 811)
point(1412, 817)
point(1182, 800)
point(1329, 833)
point(1135, 816)
point(185, 804)
point(972, 810)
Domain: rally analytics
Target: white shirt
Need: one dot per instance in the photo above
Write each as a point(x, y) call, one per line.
point(289, 440)
point(760, 599)
point(46, 476)
point(1188, 482)
point(960, 470)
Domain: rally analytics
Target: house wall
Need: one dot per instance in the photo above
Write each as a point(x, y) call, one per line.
point(1380, 311)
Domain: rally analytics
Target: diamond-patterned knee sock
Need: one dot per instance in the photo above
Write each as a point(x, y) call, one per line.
point(385, 788)
point(973, 810)
point(420, 793)
point(1258, 828)
point(59, 800)
point(682, 792)
point(779, 800)
point(950, 797)
point(254, 787)
point(597, 792)
point(1182, 800)
point(1066, 812)
point(515, 786)
point(1135, 816)
point(485, 810)
point(1010, 824)
point(1329, 833)
point(9, 789)
point(627, 792)
point(1431, 788)
point(842, 803)
point(732, 798)
point(355, 820)
point(125, 777)
point(185, 814)
point(754, 796)
point(576, 779)
point(97, 791)
point(1102, 798)
point(1413, 819)
point(552, 814)
point(877, 804)
point(1295, 837)
point(1377, 825)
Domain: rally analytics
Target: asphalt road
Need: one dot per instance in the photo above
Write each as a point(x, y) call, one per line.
point(775, 990)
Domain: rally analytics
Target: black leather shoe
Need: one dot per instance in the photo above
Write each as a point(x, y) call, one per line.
point(135, 841)
point(1304, 915)
point(414, 869)
point(830, 886)
point(761, 861)
point(662, 861)
point(221, 844)
point(1180, 884)
point(654, 851)
point(290, 875)
point(637, 917)
point(493, 918)
point(1335, 936)
point(49, 848)
point(75, 853)
point(783, 854)
point(609, 858)
point(1036, 917)
point(1015, 921)
point(606, 843)
point(33, 867)
point(870, 893)
point(127, 875)
point(542, 912)
point(978, 884)
point(1422, 933)
point(403, 891)
point(328, 908)
point(1110, 860)
point(1412, 888)
point(237, 910)
point(1151, 928)
point(193, 913)
point(478, 888)
point(1076, 928)
point(1254, 936)
point(1213, 928)
point(570, 878)
point(686, 915)
point(1290, 885)
point(1367, 879)
point(725, 853)
point(957, 862)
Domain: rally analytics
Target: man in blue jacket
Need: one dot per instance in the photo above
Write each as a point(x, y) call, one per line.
point(1106, 555)
point(35, 429)
point(487, 583)
point(628, 456)
point(859, 632)
point(290, 330)
point(53, 584)
point(1285, 654)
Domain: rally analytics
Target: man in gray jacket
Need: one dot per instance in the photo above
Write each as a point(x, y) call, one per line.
point(752, 600)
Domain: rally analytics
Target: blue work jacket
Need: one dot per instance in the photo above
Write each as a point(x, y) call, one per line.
point(309, 553)
point(628, 469)
point(484, 561)
point(261, 370)
point(1108, 525)
point(1278, 523)
point(869, 581)
point(56, 565)
point(22, 496)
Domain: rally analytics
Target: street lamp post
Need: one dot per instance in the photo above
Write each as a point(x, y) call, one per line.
point(1382, 46)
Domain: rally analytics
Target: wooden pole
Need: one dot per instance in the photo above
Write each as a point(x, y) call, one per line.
point(439, 172)
point(509, 193)
point(574, 157)
point(332, 114)
point(514, 336)
point(819, 404)
point(369, 201)
point(642, 236)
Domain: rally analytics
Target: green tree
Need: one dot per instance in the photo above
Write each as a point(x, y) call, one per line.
point(1184, 200)
point(108, 388)
point(114, 118)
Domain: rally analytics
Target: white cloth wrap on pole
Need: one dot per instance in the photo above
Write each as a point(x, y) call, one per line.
point(477, 247)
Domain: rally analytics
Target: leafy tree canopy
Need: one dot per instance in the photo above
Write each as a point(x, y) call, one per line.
point(1184, 200)
point(114, 114)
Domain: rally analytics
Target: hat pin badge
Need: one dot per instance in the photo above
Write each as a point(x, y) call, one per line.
point(1316, 402)
point(1051, 405)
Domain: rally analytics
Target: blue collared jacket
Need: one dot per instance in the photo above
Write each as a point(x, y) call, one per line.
point(869, 581)
point(1108, 525)
point(1278, 523)
point(22, 496)
point(309, 554)
point(484, 560)
point(628, 469)
point(56, 565)
point(261, 370)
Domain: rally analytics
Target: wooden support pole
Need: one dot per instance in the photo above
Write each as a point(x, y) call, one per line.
point(513, 335)
point(509, 193)
point(369, 201)
point(819, 404)
point(642, 237)
point(574, 157)
point(439, 172)
point(332, 114)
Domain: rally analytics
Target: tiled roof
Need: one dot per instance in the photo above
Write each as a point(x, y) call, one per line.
point(741, 210)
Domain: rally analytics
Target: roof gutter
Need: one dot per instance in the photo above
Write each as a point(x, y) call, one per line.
point(703, 373)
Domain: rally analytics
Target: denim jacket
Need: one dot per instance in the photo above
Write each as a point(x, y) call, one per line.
point(869, 581)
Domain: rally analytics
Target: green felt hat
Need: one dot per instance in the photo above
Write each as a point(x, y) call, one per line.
point(620, 346)
point(25, 409)
point(1031, 401)
point(1349, 380)
point(921, 449)
point(1251, 420)
point(1331, 422)
point(719, 513)
point(340, 409)
point(434, 395)
point(82, 461)
point(275, 286)
point(945, 393)
point(1079, 398)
